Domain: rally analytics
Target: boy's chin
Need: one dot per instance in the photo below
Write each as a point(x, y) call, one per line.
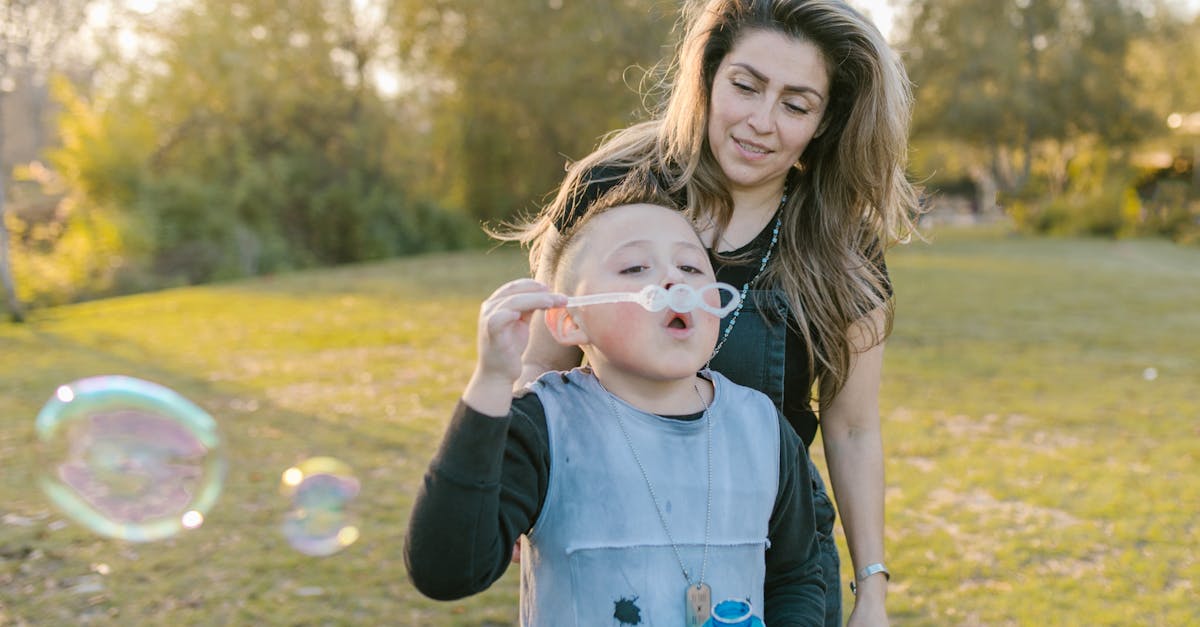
point(661, 374)
point(680, 372)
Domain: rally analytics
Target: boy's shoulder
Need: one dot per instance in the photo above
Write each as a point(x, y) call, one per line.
point(558, 378)
point(559, 384)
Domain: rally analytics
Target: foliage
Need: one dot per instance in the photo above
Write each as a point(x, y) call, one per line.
point(1012, 73)
point(63, 252)
point(243, 139)
point(524, 86)
point(1171, 208)
point(1036, 472)
point(1095, 201)
point(32, 33)
point(250, 137)
point(1030, 94)
point(254, 144)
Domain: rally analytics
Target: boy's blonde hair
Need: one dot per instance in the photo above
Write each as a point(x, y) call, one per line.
point(639, 187)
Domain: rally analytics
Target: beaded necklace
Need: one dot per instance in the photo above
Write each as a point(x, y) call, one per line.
point(746, 285)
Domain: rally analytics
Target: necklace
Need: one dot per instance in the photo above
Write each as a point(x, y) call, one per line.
point(698, 597)
point(746, 285)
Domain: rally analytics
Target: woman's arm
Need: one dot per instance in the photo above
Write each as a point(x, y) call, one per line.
point(850, 430)
point(543, 354)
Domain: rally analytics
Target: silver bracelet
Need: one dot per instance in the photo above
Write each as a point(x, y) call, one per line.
point(867, 571)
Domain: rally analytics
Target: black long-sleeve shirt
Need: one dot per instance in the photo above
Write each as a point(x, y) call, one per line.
point(487, 483)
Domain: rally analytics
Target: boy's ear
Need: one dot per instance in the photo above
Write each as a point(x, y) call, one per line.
point(563, 327)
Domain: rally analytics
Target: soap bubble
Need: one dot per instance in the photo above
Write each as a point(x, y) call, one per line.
point(1150, 374)
point(321, 490)
point(128, 458)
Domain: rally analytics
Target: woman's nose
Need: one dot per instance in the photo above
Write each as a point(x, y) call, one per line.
point(760, 116)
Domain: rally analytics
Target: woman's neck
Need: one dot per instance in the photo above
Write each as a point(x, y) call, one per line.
point(752, 210)
point(759, 202)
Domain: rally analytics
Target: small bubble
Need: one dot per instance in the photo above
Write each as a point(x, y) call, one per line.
point(1150, 374)
point(322, 491)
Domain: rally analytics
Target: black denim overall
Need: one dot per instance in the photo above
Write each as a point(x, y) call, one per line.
point(754, 357)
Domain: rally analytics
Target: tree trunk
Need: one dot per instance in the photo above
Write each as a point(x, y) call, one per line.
point(15, 311)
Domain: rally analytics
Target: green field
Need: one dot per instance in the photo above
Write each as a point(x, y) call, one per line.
point(1037, 473)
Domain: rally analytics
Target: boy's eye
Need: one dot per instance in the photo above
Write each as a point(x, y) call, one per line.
point(633, 270)
point(691, 269)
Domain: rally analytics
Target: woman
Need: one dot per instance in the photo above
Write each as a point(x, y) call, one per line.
point(785, 133)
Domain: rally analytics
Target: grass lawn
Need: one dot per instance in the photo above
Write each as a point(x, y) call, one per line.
point(1036, 474)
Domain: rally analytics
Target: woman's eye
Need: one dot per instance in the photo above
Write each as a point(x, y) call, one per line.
point(691, 269)
point(743, 87)
point(797, 109)
point(633, 270)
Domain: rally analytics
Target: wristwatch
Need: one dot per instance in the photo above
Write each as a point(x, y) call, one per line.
point(867, 571)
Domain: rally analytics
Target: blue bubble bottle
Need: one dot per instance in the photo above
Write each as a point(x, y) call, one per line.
point(733, 613)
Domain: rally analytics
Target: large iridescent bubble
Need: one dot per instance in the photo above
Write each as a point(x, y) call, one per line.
point(128, 458)
point(321, 520)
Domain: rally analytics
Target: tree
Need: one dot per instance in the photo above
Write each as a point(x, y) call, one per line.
point(31, 33)
point(518, 88)
point(248, 139)
point(1024, 80)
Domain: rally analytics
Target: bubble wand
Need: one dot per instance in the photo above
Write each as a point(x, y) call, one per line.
point(680, 298)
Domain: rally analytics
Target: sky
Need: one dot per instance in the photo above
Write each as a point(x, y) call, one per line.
point(880, 12)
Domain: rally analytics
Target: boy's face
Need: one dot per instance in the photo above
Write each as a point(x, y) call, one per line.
point(625, 249)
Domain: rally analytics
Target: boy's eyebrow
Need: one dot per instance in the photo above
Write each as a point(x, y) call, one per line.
point(800, 89)
point(643, 242)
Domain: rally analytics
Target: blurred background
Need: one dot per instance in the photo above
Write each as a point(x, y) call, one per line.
point(149, 143)
point(312, 175)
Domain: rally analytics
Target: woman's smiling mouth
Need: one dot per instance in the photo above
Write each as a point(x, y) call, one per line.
point(751, 148)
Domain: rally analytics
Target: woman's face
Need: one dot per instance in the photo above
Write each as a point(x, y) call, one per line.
point(768, 98)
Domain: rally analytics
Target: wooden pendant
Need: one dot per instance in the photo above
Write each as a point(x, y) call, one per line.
point(699, 604)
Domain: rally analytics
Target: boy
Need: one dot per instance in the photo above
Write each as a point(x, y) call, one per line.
point(647, 487)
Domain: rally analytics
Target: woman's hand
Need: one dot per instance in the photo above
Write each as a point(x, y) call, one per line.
point(869, 609)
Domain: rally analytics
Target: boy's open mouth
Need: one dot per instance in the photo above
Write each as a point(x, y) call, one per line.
point(679, 320)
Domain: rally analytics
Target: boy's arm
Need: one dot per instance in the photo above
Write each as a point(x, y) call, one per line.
point(484, 487)
point(464, 521)
point(795, 589)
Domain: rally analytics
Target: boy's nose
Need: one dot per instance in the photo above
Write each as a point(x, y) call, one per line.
point(674, 275)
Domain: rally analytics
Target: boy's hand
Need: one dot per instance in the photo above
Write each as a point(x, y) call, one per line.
point(502, 336)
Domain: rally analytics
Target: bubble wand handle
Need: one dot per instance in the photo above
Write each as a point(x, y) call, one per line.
point(604, 299)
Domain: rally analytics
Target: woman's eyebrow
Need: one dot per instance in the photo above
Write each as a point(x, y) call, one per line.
point(801, 89)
